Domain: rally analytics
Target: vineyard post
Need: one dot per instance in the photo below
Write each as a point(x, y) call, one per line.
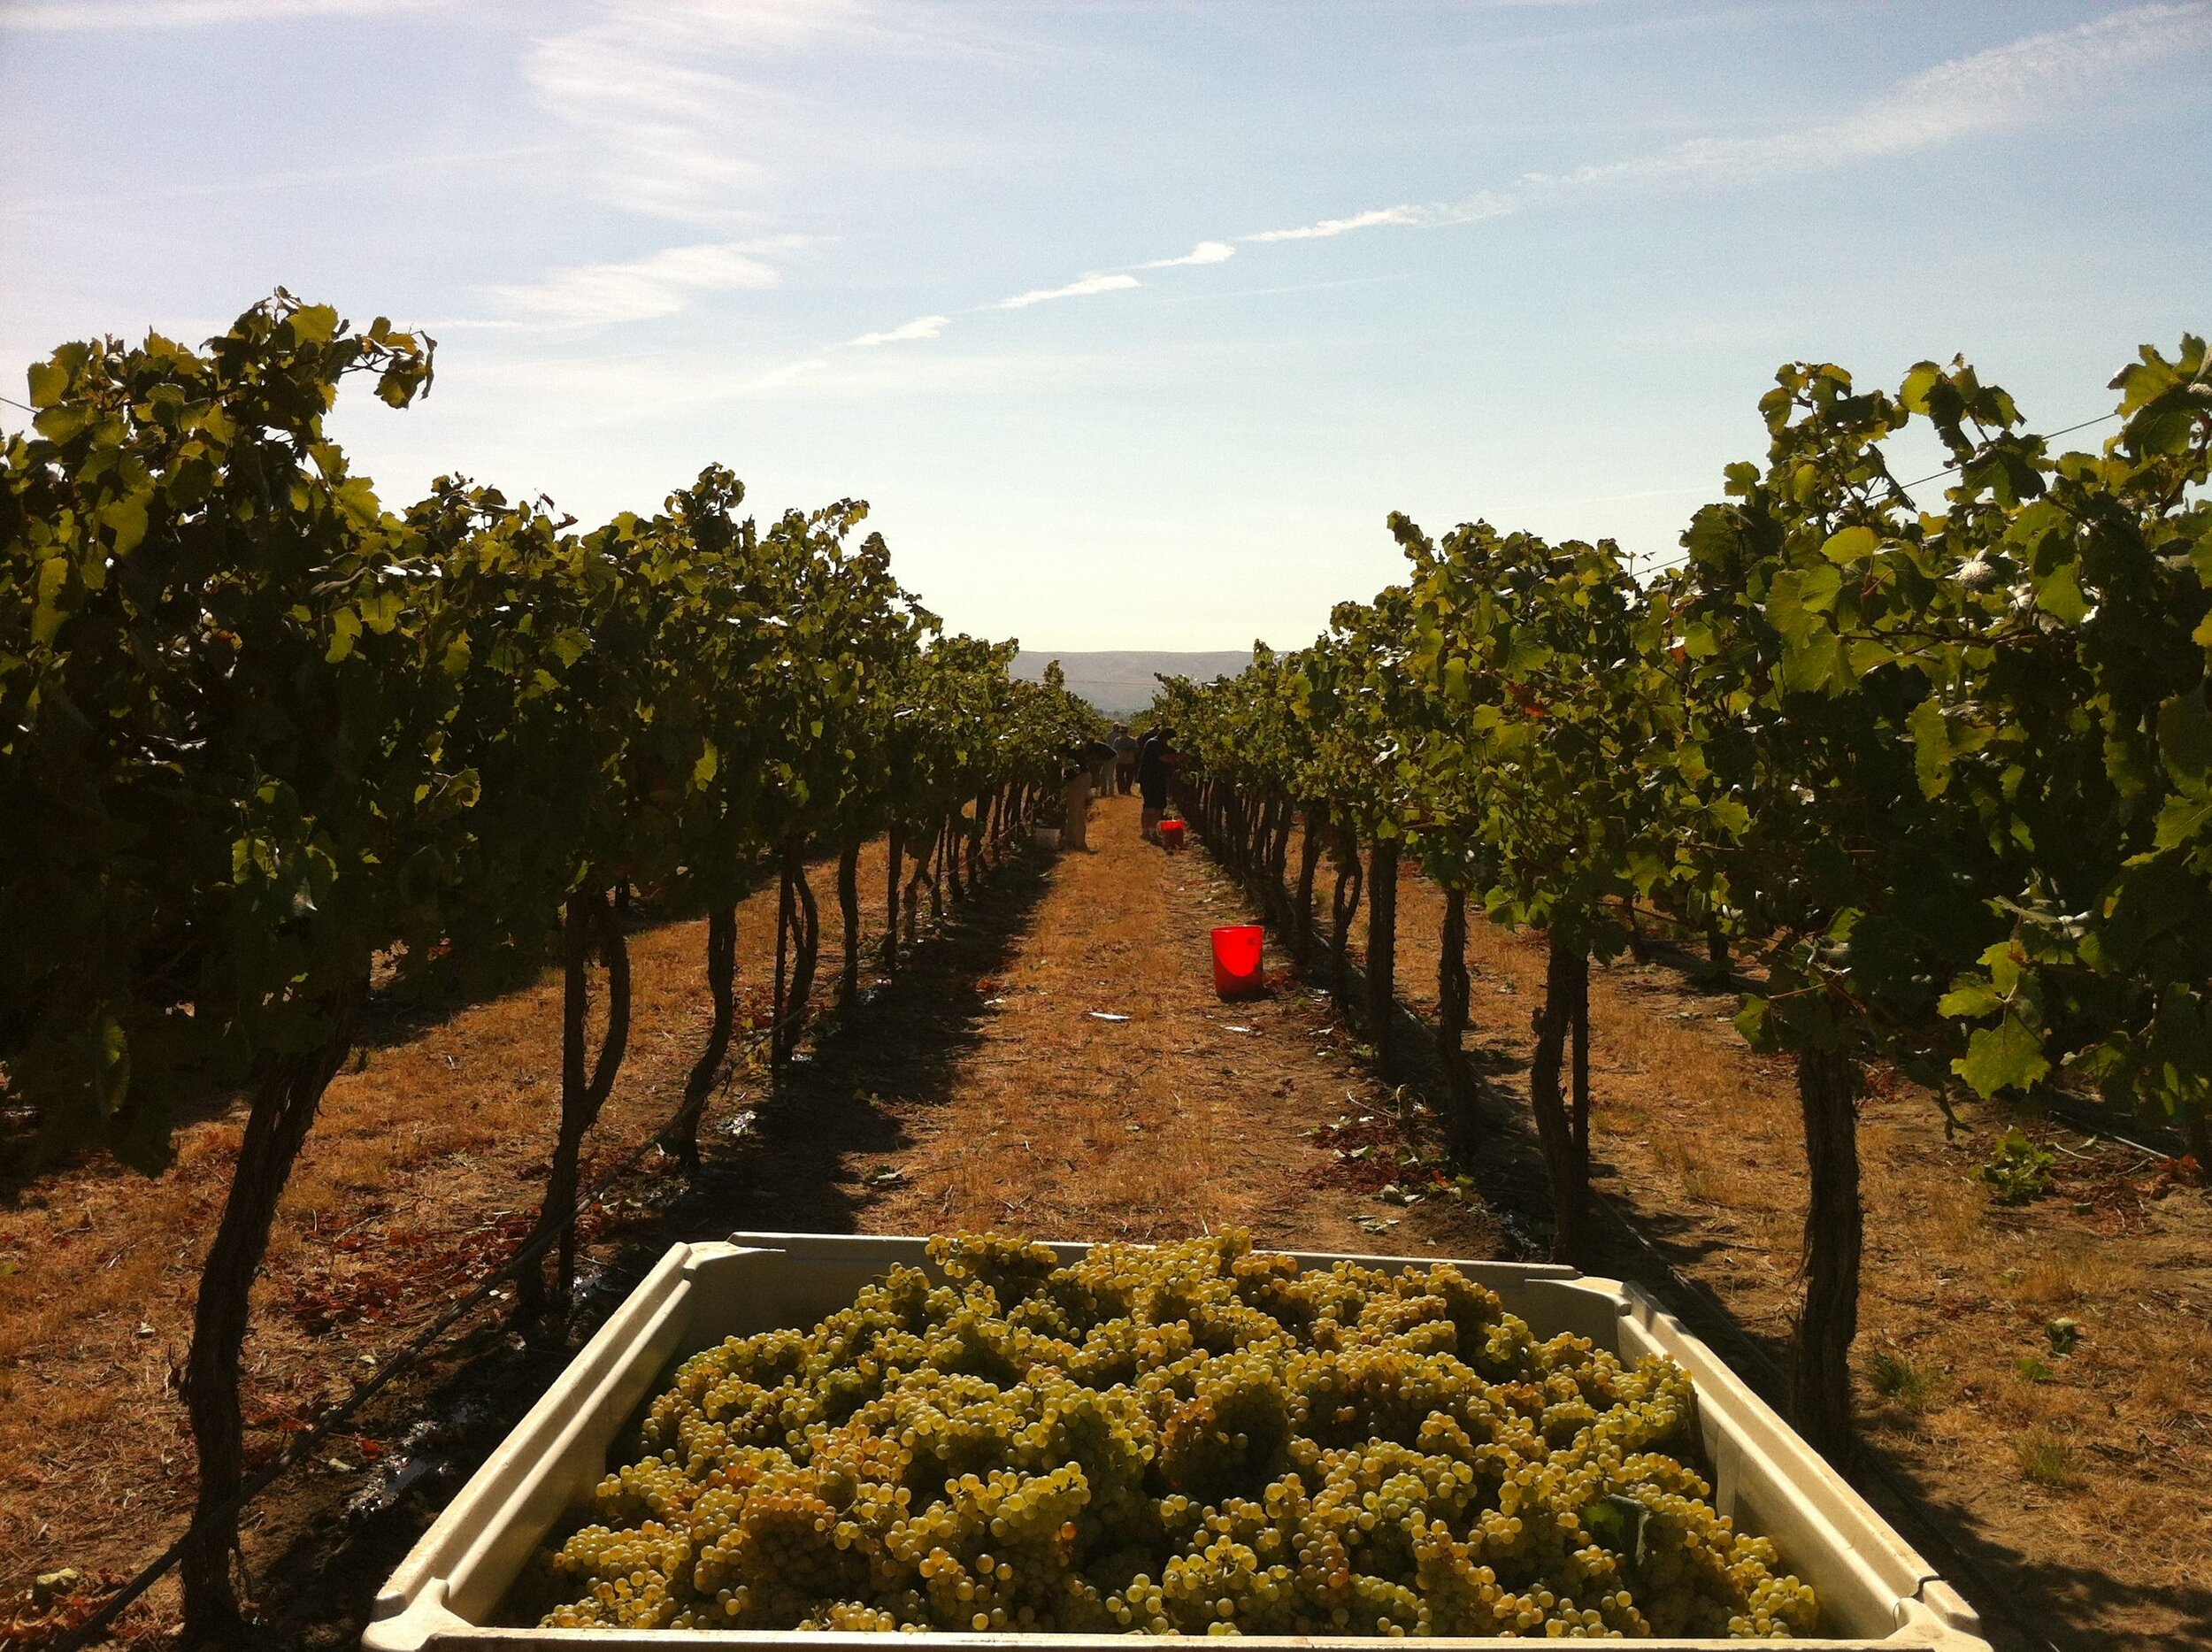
point(1581, 1096)
point(1819, 1396)
point(1567, 1169)
point(1277, 857)
point(1452, 989)
point(1718, 965)
point(780, 1004)
point(590, 925)
point(849, 911)
point(1309, 842)
point(1382, 953)
point(1344, 903)
point(806, 951)
point(894, 868)
point(912, 902)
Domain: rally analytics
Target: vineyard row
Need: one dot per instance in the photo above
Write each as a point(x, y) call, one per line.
point(267, 746)
point(1942, 780)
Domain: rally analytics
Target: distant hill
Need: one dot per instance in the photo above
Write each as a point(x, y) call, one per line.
point(1120, 683)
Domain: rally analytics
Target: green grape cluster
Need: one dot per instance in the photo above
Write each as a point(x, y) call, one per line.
point(1190, 1438)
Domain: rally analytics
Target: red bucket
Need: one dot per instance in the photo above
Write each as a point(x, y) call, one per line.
point(1171, 836)
point(1238, 970)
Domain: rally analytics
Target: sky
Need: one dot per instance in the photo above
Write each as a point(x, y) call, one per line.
point(1131, 321)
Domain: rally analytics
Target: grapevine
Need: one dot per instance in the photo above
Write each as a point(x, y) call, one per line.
point(259, 733)
point(1940, 776)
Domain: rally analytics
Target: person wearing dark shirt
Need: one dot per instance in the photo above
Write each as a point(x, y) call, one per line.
point(1154, 758)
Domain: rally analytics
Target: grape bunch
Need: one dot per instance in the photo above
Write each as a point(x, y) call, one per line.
point(1191, 1437)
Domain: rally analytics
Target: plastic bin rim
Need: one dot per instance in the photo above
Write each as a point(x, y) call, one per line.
point(412, 1613)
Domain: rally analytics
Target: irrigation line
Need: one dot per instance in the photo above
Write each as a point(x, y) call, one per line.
point(398, 1365)
point(1666, 565)
point(2044, 436)
point(2088, 1126)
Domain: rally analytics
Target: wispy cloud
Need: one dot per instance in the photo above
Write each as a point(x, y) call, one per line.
point(669, 137)
point(1083, 289)
point(662, 284)
point(1411, 217)
point(1204, 252)
point(1994, 90)
point(656, 104)
point(686, 105)
point(919, 328)
point(1989, 90)
point(2010, 85)
point(131, 14)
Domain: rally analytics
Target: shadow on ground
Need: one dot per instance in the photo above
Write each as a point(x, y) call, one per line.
point(799, 1163)
point(801, 1166)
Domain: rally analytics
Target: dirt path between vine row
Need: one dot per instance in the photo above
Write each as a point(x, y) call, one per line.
point(1109, 1094)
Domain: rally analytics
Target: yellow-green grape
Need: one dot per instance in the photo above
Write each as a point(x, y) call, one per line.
point(1189, 1439)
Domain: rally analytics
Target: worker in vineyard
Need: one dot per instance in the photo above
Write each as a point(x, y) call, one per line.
point(1125, 745)
point(1083, 763)
point(1155, 757)
point(1075, 807)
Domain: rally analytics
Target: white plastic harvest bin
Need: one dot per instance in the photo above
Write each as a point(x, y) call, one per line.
point(1875, 1592)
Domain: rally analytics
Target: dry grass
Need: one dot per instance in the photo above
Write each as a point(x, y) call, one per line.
point(2076, 1272)
point(2047, 1460)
